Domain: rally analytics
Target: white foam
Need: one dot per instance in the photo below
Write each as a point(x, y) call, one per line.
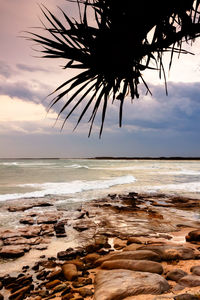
point(193, 187)
point(182, 172)
point(62, 188)
point(22, 164)
point(76, 166)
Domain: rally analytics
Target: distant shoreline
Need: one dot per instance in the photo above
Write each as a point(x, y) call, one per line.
point(106, 158)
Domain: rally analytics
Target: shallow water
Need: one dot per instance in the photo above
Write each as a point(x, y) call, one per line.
point(83, 179)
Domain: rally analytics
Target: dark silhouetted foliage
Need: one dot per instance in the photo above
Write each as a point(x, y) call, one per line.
point(113, 53)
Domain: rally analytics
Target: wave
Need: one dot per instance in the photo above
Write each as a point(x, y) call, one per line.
point(62, 188)
point(21, 164)
point(76, 166)
point(182, 172)
point(193, 187)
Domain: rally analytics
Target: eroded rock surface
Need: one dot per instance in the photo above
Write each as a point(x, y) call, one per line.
point(133, 265)
point(119, 284)
point(130, 255)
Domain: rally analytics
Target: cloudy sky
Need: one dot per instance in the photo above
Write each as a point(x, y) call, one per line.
point(152, 126)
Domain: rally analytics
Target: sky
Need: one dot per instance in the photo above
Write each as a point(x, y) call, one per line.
point(155, 126)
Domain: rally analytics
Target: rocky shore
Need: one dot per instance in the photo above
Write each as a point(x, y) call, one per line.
point(131, 246)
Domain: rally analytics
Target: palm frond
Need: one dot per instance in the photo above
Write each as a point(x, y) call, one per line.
point(114, 52)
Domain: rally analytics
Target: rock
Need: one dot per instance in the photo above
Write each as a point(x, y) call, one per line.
point(171, 252)
point(186, 297)
point(59, 288)
point(190, 281)
point(92, 257)
point(47, 229)
point(42, 275)
point(11, 252)
point(193, 236)
point(70, 272)
point(133, 240)
point(101, 240)
point(134, 265)
point(41, 247)
point(119, 284)
point(77, 262)
point(131, 247)
point(195, 270)
point(84, 292)
point(20, 293)
point(68, 296)
point(27, 220)
point(30, 231)
point(82, 282)
point(60, 230)
point(7, 279)
point(67, 289)
point(112, 196)
point(55, 274)
point(135, 255)
point(47, 219)
point(10, 233)
point(82, 225)
point(21, 241)
point(70, 253)
point(48, 264)
point(175, 274)
point(52, 284)
point(26, 206)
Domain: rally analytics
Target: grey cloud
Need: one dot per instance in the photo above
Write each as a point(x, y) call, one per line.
point(5, 70)
point(30, 68)
point(35, 92)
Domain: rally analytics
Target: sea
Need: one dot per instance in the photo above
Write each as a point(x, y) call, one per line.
point(77, 180)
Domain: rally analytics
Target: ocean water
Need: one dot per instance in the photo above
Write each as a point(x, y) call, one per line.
point(78, 180)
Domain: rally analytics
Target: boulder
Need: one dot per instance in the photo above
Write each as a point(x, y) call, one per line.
point(47, 229)
point(60, 287)
point(60, 230)
point(70, 253)
point(21, 241)
point(68, 296)
point(30, 231)
point(134, 265)
point(47, 219)
point(52, 284)
point(84, 292)
point(175, 274)
point(92, 257)
point(70, 271)
point(81, 281)
point(190, 281)
point(131, 255)
point(119, 284)
point(55, 274)
point(195, 270)
point(19, 292)
point(193, 236)
point(131, 247)
point(171, 252)
point(133, 240)
point(27, 220)
point(26, 206)
point(186, 297)
point(11, 252)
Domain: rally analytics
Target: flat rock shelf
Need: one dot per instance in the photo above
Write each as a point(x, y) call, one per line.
point(130, 246)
